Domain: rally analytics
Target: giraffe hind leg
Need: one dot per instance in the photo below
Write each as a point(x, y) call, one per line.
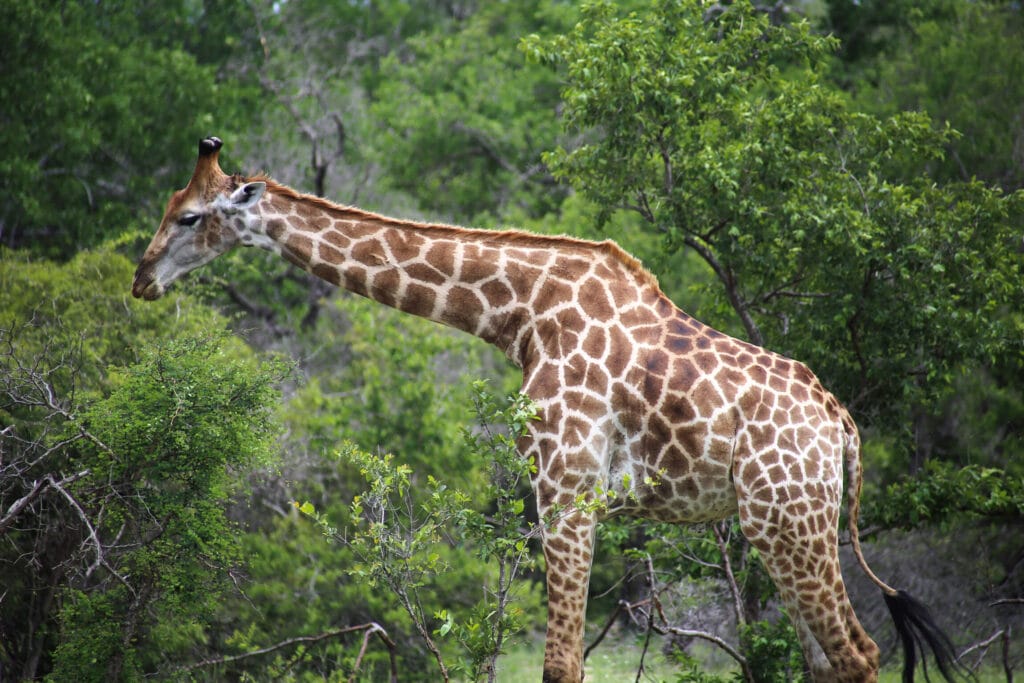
point(801, 557)
point(817, 663)
point(834, 643)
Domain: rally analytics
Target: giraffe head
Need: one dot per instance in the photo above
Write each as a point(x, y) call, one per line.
point(201, 222)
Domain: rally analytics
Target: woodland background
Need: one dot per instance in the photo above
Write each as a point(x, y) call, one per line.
point(197, 487)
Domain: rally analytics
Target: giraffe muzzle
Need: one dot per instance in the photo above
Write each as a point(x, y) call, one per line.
point(145, 286)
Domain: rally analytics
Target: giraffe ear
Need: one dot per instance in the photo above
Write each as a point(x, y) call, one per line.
point(247, 195)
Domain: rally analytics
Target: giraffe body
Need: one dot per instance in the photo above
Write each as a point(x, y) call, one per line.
point(665, 416)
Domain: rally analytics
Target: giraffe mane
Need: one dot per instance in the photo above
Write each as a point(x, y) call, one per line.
point(519, 237)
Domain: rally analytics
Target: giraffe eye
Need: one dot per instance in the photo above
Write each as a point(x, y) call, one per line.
point(189, 219)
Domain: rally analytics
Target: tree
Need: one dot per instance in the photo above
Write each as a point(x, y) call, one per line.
point(854, 241)
point(954, 60)
point(718, 130)
point(400, 543)
point(465, 119)
point(116, 470)
point(83, 146)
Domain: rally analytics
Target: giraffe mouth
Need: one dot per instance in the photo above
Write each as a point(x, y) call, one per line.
point(146, 287)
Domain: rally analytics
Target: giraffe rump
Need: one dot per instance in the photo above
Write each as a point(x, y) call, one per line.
point(917, 629)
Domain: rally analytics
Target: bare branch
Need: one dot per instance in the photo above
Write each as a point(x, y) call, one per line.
point(37, 488)
point(728, 279)
point(650, 617)
point(1007, 601)
point(711, 638)
point(792, 294)
point(619, 609)
point(17, 506)
point(662, 627)
point(666, 160)
point(369, 629)
point(981, 645)
point(730, 577)
point(59, 487)
point(382, 634)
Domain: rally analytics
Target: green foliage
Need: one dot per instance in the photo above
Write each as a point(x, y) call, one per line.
point(368, 385)
point(952, 59)
point(723, 137)
point(83, 308)
point(867, 29)
point(944, 493)
point(376, 389)
point(398, 543)
point(140, 449)
point(173, 432)
point(83, 146)
point(690, 671)
point(773, 651)
point(968, 84)
point(191, 410)
point(93, 638)
point(466, 119)
point(498, 535)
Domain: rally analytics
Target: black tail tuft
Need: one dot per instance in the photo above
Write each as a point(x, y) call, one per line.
point(917, 628)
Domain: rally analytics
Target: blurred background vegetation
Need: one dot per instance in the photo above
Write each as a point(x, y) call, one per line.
point(840, 181)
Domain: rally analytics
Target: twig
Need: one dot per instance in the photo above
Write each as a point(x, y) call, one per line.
point(650, 616)
point(17, 506)
point(982, 646)
point(372, 628)
point(655, 606)
point(377, 629)
point(622, 605)
point(723, 549)
point(1006, 655)
point(704, 635)
point(1007, 601)
point(59, 487)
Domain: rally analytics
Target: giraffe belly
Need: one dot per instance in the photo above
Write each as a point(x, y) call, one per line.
point(713, 503)
point(674, 487)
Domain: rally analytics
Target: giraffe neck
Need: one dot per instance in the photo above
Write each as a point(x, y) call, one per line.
point(494, 285)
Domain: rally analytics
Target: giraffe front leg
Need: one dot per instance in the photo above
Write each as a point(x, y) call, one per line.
point(569, 551)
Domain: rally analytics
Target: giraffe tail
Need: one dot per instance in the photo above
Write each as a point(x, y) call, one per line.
point(917, 629)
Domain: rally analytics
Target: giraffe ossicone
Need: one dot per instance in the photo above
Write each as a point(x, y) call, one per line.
point(678, 421)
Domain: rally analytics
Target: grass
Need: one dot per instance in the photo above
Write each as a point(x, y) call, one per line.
point(612, 662)
point(616, 661)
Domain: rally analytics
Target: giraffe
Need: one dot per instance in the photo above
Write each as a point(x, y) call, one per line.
point(642, 408)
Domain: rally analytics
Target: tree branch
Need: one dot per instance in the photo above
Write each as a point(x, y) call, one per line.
point(369, 629)
point(1007, 601)
point(58, 486)
point(486, 145)
point(728, 279)
point(663, 628)
point(619, 609)
point(650, 617)
point(37, 488)
point(730, 577)
point(711, 638)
